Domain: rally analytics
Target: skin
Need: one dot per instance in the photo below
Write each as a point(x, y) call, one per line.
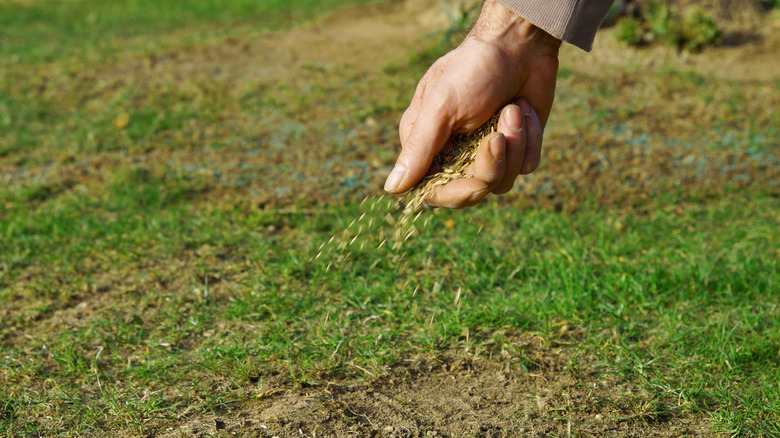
point(503, 62)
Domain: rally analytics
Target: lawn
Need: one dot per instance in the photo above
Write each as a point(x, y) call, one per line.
point(193, 242)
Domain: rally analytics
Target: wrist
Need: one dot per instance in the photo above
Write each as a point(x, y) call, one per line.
point(500, 26)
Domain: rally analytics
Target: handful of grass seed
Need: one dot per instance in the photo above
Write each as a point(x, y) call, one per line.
point(453, 163)
point(365, 230)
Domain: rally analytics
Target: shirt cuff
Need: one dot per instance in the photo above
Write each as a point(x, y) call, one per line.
point(573, 21)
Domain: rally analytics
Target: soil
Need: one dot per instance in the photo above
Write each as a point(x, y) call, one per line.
point(458, 395)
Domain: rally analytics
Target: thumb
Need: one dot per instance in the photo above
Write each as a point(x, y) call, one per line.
point(429, 133)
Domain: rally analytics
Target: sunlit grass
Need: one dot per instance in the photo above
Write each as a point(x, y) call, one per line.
point(155, 259)
point(682, 301)
point(48, 30)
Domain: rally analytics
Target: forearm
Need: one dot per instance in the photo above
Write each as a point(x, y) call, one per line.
point(526, 51)
point(498, 24)
point(573, 21)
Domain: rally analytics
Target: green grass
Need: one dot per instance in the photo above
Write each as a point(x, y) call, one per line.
point(143, 274)
point(48, 30)
point(682, 305)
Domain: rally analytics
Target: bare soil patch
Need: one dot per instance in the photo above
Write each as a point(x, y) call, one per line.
point(457, 395)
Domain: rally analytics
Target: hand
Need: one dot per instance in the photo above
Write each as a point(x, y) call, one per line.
point(517, 128)
point(502, 60)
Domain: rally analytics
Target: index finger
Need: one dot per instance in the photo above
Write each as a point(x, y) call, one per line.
point(410, 115)
point(428, 134)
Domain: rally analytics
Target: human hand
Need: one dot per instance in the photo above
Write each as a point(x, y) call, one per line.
point(517, 127)
point(502, 60)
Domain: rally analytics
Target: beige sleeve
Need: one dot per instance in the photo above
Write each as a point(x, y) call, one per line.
point(573, 21)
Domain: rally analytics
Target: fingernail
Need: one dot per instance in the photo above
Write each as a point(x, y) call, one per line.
point(513, 118)
point(538, 122)
point(498, 148)
point(525, 107)
point(395, 178)
point(476, 196)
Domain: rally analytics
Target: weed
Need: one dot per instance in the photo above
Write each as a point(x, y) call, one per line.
point(461, 15)
point(663, 23)
point(699, 30)
point(629, 31)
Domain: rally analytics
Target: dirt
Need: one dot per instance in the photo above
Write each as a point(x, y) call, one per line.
point(457, 395)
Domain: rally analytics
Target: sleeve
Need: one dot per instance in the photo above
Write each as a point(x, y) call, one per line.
point(573, 21)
